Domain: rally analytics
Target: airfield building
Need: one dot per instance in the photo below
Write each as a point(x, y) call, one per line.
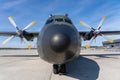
point(116, 44)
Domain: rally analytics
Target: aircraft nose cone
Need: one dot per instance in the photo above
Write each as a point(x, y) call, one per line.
point(60, 42)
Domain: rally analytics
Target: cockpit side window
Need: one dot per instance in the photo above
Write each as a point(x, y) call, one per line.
point(68, 21)
point(49, 21)
point(59, 20)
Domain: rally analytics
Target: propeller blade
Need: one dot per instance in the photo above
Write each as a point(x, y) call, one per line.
point(30, 25)
point(101, 22)
point(28, 45)
point(13, 22)
point(88, 45)
point(8, 39)
point(110, 40)
point(86, 25)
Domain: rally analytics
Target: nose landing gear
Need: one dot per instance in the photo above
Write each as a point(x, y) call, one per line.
point(59, 69)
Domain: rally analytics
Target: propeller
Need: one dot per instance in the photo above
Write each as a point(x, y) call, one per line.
point(88, 45)
point(19, 32)
point(96, 32)
point(30, 25)
point(13, 22)
point(8, 39)
point(28, 45)
point(86, 25)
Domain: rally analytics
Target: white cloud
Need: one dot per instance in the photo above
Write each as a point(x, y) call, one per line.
point(11, 4)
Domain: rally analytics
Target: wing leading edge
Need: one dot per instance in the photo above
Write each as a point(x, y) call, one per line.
point(103, 32)
point(15, 34)
point(80, 32)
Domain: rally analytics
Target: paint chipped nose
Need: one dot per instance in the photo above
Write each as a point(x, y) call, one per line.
point(60, 42)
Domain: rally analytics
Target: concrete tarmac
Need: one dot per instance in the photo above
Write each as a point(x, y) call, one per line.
point(26, 65)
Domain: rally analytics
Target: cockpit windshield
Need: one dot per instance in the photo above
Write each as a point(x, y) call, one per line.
point(59, 19)
point(68, 21)
point(49, 21)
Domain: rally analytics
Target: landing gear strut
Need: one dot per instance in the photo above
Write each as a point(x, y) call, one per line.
point(59, 69)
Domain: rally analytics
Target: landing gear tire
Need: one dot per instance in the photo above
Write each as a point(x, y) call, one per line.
point(59, 69)
point(62, 70)
point(55, 69)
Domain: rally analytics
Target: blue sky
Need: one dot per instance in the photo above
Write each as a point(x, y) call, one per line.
point(90, 11)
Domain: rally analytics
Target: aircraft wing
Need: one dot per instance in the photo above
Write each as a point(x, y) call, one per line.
point(7, 33)
point(103, 32)
point(34, 33)
point(15, 34)
point(80, 32)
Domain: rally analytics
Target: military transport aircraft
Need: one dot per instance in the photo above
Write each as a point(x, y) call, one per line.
point(58, 41)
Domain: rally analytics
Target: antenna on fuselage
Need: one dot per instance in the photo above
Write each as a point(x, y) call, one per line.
point(50, 15)
point(66, 14)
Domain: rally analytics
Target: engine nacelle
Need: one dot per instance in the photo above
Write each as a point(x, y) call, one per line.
point(88, 36)
point(28, 36)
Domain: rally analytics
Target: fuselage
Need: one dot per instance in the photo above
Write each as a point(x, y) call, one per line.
point(58, 41)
